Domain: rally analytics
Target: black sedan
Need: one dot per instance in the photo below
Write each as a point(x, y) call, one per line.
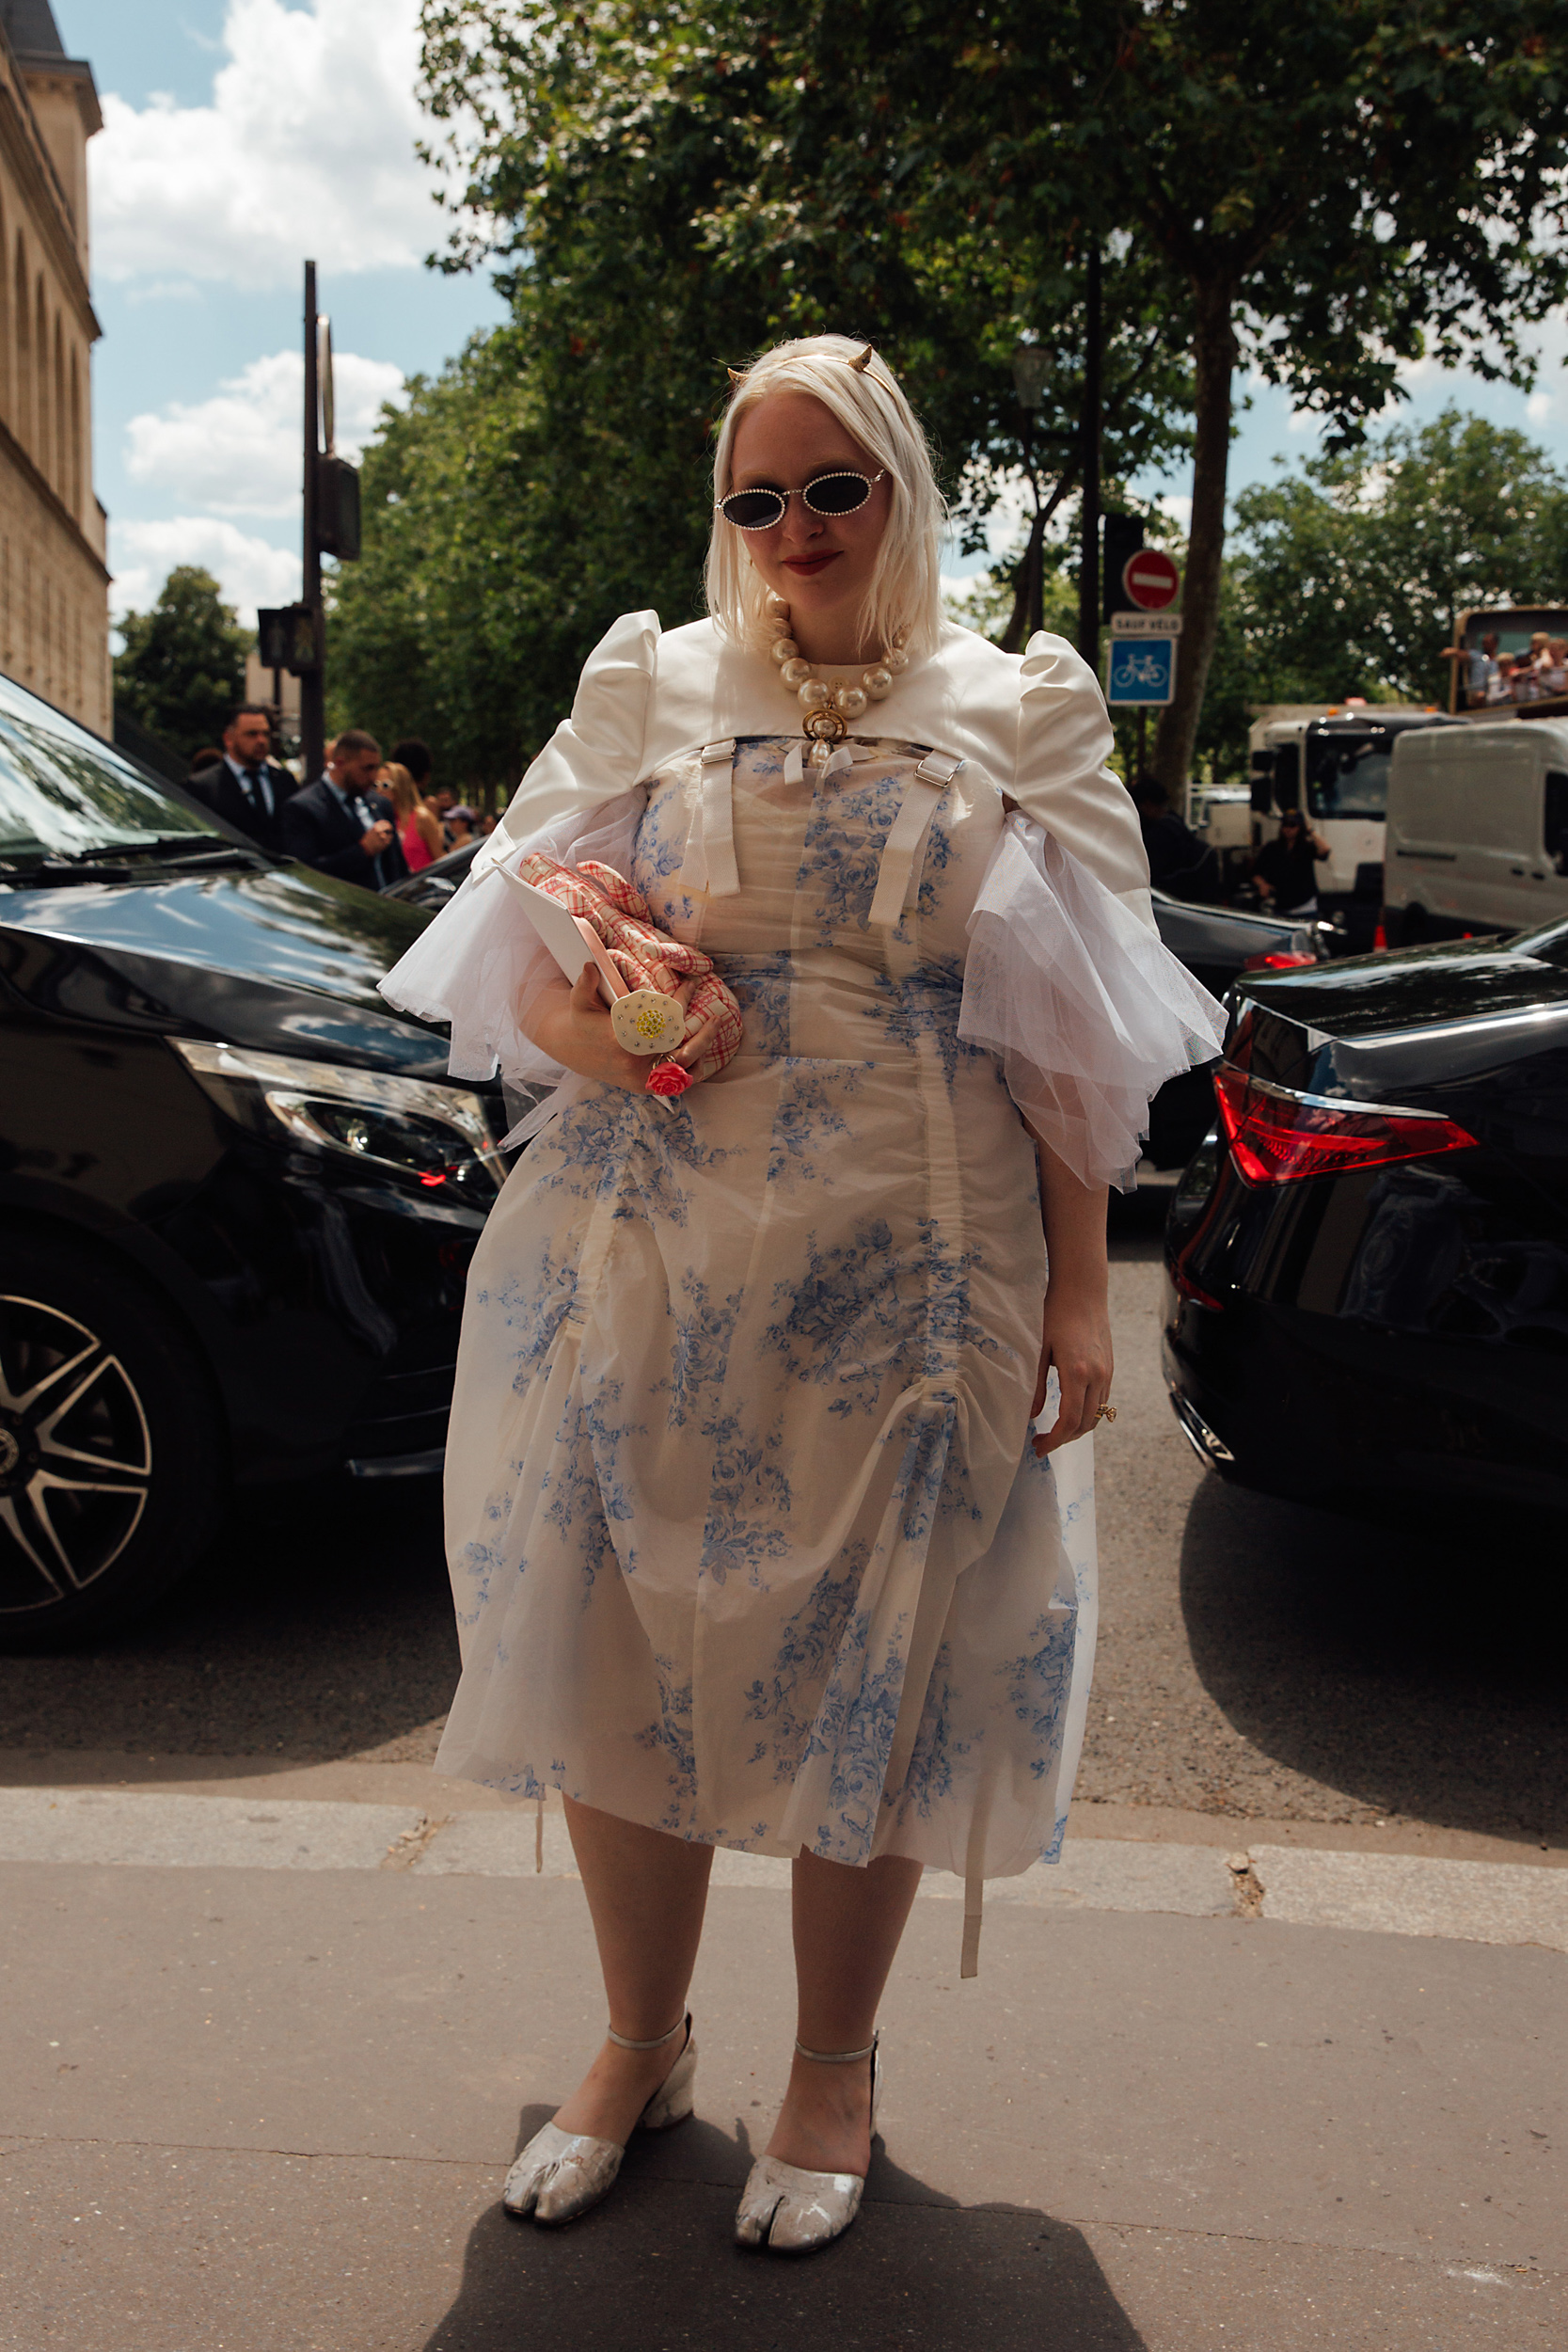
point(239, 1194)
point(1367, 1261)
point(434, 885)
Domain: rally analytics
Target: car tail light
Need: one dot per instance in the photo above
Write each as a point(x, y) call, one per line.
point(1281, 962)
point(1278, 1137)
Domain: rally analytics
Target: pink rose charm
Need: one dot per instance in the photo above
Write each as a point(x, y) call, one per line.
point(668, 1077)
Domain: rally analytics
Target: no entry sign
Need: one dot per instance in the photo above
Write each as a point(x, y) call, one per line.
point(1151, 580)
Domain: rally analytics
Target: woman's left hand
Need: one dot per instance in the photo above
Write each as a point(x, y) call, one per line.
point(1077, 1340)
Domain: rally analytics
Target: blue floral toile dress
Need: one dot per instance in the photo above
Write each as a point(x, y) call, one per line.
point(746, 1537)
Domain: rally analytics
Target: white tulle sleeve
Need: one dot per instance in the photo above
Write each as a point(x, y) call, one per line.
point(1087, 1012)
point(480, 963)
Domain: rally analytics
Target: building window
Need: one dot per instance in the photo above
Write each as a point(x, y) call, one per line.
point(6, 409)
point(40, 355)
point(75, 438)
point(23, 418)
point(62, 444)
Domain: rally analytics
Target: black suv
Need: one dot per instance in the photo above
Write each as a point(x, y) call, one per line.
point(238, 1195)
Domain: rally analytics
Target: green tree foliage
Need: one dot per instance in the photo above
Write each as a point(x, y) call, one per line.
point(1354, 570)
point(1327, 186)
point(1319, 190)
point(613, 159)
point(183, 667)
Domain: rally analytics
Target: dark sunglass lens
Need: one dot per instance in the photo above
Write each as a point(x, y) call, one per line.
point(752, 510)
point(837, 493)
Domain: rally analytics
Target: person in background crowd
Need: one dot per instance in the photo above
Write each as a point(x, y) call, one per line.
point(208, 757)
point(461, 822)
point(1499, 687)
point(414, 754)
point(1479, 669)
point(1552, 671)
point(1285, 868)
point(419, 827)
point(245, 786)
point(342, 824)
point(487, 824)
point(1177, 860)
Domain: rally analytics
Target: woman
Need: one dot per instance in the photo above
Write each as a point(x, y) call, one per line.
point(419, 827)
point(750, 1541)
point(461, 821)
point(1285, 869)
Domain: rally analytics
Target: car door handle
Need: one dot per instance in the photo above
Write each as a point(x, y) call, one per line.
point(1536, 874)
point(1515, 869)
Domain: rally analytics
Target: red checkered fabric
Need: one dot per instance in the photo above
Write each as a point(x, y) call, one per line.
point(645, 956)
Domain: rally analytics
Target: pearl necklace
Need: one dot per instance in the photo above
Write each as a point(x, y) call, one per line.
point(829, 708)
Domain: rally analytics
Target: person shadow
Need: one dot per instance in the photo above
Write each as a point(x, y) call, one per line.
point(655, 2268)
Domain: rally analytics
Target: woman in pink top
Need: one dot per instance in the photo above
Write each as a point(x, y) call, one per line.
point(419, 827)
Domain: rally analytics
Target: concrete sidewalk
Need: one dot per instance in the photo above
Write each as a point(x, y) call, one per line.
point(254, 2106)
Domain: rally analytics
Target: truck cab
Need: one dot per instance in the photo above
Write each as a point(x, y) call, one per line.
point(1334, 760)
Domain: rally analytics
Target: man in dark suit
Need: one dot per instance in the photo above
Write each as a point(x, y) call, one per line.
point(341, 824)
point(246, 787)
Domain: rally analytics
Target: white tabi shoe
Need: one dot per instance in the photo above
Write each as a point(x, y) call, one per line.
point(794, 2211)
point(559, 2174)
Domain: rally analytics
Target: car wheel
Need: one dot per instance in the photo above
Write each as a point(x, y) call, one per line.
point(112, 1454)
point(1413, 930)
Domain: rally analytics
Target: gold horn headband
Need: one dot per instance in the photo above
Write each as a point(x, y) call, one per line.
point(861, 361)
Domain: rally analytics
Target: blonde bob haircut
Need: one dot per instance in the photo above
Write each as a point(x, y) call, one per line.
point(903, 598)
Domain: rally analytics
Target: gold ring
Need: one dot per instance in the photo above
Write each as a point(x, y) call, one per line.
point(1106, 1412)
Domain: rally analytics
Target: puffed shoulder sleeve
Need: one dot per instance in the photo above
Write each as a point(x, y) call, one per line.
point(1062, 778)
point(596, 752)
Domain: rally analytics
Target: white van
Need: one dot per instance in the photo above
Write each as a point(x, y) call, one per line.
point(1478, 830)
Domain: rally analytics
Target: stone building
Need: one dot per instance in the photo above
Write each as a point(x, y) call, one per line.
point(54, 582)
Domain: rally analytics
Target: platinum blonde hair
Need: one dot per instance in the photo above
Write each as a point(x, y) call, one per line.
point(903, 598)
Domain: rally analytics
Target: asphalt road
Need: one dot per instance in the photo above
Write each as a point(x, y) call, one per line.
point(1258, 1661)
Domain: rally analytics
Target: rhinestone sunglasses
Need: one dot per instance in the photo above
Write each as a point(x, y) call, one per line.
point(837, 493)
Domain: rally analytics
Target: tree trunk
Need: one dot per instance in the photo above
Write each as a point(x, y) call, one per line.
point(1215, 364)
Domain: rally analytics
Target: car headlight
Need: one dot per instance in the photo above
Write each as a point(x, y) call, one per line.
point(436, 1137)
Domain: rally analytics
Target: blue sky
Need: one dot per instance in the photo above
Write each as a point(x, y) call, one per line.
point(241, 134)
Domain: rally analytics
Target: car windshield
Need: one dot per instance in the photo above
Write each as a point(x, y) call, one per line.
point(65, 794)
point(1348, 776)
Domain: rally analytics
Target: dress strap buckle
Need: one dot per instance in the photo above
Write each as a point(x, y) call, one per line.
point(904, 852)
point(709, 867)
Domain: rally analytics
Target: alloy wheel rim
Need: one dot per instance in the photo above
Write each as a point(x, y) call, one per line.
point(75, 1455)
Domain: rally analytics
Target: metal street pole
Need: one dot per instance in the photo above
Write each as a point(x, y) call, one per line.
point(1088, 558)
point(312, 685)
point(1031, 366)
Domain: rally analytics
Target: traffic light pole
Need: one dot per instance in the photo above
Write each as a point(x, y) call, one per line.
point(1089, 556)
point(312, 685)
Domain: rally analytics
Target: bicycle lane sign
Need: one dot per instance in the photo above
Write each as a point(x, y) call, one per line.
point(1142, 671)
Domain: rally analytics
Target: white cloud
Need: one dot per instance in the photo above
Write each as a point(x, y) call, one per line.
point(306, 149)
point(249, 571)
point(240, 452)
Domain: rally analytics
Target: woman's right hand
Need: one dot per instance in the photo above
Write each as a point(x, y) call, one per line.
point(572, 1026)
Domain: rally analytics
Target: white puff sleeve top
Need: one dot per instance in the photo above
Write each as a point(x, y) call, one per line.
point(1036, 723)
point(1067, 982)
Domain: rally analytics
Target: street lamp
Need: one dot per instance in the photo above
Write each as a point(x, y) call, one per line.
point(1031, 366)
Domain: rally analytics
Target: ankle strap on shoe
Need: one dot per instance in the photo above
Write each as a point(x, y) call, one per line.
point(625, 2042)
point(835, 2058)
